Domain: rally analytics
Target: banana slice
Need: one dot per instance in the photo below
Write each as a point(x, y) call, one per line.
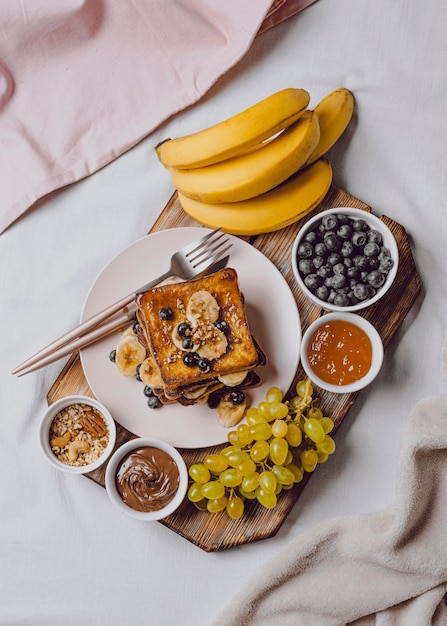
point(234, 379)
point(129, 354)
point(150, 374)
point(213, 345)
point(202, 306)
point(229, 414)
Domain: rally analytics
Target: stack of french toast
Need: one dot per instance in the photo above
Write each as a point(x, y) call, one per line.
point(194, 345)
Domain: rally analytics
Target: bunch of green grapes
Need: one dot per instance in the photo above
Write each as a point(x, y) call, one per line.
point(269, 453)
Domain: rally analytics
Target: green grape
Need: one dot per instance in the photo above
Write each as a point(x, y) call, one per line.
point(229, 450)
point(304, 388)
point(264, 410)
point(247, 467)
point(274, 394)
point(248, 495)
point(235, 507)
point(279, 428)
point(278, 450)
point(216, 463)
point(201, 505)
point(289, 458)
point(296, 471)
point(284, 475)
point(309, 459)
point(328, 424)
point(213, 490)
point(261, 432)
point(314, 430)
point(233, 438)
point(315, 412)
point(256, 419)
point(195, 492)
point(199, 473)
point(243, 434)
point(253, 417)
point(327, 445)
point(267, 481)
point(250, 482)
point(236, 458)
point(295, 403)
point(230, 477)
point(217, 505)
point(322, 457)
point(278, 410)
point(267, 499)
point(294, 435)
point(259, 451)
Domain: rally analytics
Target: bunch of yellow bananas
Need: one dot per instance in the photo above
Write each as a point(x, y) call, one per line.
point(262, 169)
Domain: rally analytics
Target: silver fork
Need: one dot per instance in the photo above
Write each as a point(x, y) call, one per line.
point(201, 257)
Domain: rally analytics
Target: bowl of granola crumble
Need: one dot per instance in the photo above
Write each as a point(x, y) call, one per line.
point(77, 434)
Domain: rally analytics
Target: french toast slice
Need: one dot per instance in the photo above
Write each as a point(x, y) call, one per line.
point(210, 314)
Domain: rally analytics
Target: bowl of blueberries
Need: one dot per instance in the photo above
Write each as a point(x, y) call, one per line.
point(345, 259)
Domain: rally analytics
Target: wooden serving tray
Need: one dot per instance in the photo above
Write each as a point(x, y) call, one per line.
point(213, 532)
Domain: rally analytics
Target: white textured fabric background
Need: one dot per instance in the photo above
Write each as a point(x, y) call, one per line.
point(65, 555)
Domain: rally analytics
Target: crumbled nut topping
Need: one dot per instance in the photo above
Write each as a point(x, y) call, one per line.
point(78, 435)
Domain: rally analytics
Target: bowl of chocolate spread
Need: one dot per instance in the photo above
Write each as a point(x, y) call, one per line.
point(146, 479)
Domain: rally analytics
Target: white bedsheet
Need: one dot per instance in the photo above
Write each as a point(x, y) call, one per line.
point(66, 556)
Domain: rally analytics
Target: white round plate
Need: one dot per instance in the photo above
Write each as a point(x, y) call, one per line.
point(273, 317)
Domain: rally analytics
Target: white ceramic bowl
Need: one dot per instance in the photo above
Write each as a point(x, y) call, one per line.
point(111, 472)
point(44, 434)
point(376, 344)
point(388, 242)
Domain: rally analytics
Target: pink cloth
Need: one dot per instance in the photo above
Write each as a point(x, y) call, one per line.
point(82, 81)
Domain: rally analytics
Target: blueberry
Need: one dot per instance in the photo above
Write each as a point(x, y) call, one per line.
point(330, 222)
point(374, 236)
point(334, 258)
point(347, 248)
point(166, 313)
point(321, 250)
point(359, 238)
point(135, 327)
point(360, 225)
point(137, 373)
point(237, 396)
point(305, 250)
point(222, 326)
point(153, 402)
point(306, 266)
point(213, 400)
point(183, 329)
point(341, 299)
point(318, 262)
point(344, 232)
point(187, 343)
point(324, 271)
point(312, 281)
point(204, 365)
point(331, 241)
point(375, 279)
point(371, 249)
point(112, 356)
point(361, 262)
point(148, 391)
point(361, 291)
point(312, 237)
point(190, 359)
point(322, 293)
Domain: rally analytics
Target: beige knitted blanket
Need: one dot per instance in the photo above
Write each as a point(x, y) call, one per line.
point(386, 569)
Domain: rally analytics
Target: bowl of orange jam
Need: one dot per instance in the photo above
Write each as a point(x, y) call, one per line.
point(341, 352)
